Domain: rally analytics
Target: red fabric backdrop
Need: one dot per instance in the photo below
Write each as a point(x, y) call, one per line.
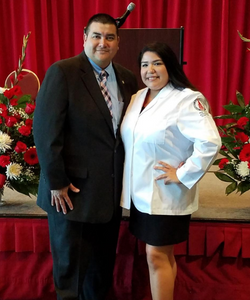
point(212, 265)
point(217, 60)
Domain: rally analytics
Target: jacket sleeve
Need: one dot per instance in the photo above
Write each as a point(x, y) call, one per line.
point(49, 123)
point(198, 126)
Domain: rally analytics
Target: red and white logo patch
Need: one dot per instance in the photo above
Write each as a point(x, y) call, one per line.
point(199, 104)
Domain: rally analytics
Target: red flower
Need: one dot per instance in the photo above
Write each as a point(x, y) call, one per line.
point(30, 156)
point(242, 122)
point(2, 180)
point(17, 116)
point(223, 162)
point(14, 102)
point(11, 121)
point(15, 91)
point(25, 130)
point(8, 94)
point(4, 160)
point(232, 130)
point(29, 122)
point(3, 110)
point(242, 137)
point(29, 109)
point(20, 147)
point(245, 153)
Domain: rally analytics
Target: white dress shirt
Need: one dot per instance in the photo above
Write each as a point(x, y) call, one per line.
point(174, 127)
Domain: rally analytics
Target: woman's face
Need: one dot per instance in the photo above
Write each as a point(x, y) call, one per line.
point(153, 71)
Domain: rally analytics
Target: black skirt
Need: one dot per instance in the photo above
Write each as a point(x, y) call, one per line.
point(159, 230)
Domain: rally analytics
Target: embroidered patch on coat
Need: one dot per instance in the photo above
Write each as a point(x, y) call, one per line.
point(199, 104)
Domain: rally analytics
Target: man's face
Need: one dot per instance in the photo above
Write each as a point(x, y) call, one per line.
point(101, 43)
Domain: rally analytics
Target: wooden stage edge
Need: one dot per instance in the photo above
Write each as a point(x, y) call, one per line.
point(214, 205)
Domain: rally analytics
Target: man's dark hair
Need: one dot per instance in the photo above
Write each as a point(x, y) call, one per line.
point(175, 72)
point(101, 18)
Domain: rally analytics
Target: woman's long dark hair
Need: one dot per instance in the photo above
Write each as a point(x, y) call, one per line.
point(175, 72)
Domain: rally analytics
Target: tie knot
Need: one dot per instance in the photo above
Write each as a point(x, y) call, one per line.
point(103, 75)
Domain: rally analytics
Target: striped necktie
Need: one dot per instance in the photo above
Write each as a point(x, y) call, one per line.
point(103, 80)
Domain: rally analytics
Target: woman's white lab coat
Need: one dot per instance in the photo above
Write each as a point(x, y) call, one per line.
point(174, 127)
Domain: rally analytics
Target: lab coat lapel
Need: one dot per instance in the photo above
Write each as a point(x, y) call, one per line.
point(163, 94)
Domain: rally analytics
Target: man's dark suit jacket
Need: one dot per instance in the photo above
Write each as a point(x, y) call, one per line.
point(75, 140)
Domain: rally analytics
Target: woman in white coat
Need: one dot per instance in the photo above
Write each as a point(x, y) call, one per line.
point(170, 142)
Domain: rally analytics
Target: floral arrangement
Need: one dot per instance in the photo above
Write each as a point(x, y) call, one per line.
point(19, 166)
point(235, 136)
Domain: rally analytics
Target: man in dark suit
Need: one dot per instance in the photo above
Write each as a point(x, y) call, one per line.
point(81, 157)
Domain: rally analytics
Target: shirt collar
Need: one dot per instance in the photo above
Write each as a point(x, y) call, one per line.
point(97, 69)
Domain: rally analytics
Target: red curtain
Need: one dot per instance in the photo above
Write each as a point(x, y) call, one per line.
point(217, 59)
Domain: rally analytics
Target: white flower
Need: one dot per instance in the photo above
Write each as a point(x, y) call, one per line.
point(5, 141)
point(29, 175)
point(13, 171)
point(2, 90)
point(242, 169)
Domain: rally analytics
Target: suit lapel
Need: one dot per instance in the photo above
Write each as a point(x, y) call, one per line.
point(121, 84)
point(89, 80)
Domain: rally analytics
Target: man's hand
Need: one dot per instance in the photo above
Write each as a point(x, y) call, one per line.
point(60, 198)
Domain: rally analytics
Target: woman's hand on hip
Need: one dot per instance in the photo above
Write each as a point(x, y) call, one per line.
point(169, 175)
